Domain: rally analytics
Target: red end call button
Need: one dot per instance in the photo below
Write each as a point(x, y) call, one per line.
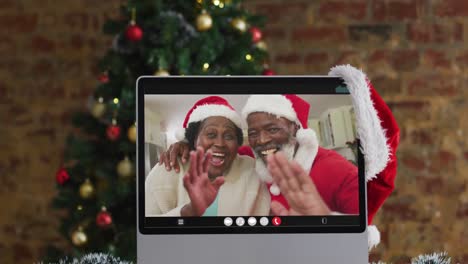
point(276, 221)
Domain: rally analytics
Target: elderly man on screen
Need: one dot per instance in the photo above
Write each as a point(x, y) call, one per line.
point(303, 178)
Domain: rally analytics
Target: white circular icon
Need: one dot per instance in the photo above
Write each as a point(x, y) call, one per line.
point(264, 221)
point(252, 221)
point(240, 221)
point(228, 221)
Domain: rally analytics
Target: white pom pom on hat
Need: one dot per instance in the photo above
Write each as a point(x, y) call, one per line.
point(180, 134)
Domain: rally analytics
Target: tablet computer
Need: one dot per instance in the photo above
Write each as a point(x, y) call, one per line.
point(306, 204)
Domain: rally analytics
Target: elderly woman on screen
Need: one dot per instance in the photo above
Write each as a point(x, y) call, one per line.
point(216, 181)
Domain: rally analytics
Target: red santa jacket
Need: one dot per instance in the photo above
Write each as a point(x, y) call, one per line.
point(335, 178)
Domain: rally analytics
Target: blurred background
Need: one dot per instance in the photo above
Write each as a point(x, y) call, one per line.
point(414, 52)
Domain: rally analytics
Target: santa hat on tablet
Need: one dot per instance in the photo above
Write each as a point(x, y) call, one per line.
point(379, 137)
point(208, 107)
point(378, 133)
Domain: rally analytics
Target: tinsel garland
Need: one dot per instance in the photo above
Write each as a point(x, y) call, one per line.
point(434, 258)
point(95, 258)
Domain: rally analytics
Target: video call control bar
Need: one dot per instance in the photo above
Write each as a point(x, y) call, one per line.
point(251, 221)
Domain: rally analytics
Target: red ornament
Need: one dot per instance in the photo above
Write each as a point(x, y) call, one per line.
point(103, 77)
point(268, 72)
point(134, 33)
point(256, 34)
point(103, 218)
point(113, 132)
point(62, 176)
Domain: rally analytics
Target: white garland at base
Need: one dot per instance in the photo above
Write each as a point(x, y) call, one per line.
point(100, 258)
point(93, 258)
point(434, 258)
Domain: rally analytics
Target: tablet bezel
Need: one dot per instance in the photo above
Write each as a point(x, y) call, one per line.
point(239, 85)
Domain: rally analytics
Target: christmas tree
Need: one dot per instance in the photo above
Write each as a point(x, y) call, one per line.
point(96, 183)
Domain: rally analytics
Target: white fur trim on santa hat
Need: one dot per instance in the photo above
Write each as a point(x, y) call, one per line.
point(204, 111)
point(371, 134)
point(274, 104)
point(373, 236)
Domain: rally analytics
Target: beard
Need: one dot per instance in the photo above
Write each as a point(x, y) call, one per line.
point(288, 150)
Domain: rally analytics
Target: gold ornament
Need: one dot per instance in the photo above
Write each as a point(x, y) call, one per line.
point(98, 108)
point(161, 72)
point(86, 190)
point(261, 45)
point(132, 133)
point(204, 21)
point(125, 168)
point(79, 238)
point(239, 24)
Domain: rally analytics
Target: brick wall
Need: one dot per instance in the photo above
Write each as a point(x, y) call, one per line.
point(415, 52)
point(49, 50)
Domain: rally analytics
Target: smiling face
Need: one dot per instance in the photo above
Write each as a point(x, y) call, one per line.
point(269, 134)
point(219, 135)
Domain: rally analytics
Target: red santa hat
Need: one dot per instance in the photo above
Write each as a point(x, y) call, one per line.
point(295, 109)
point(379, 137)
point(208, 107)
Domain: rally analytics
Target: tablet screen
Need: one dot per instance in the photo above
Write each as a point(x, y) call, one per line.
point(254, 154)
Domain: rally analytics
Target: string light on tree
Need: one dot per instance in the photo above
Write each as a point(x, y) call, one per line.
point(204, 21)
point(239, 24)
point(87, 190)
point(206, 66)
point(218, 3)
point(99, 108)
point(248, 57)
point(133, 32)
point(79, 237)
point(103, 218)
point(125, 168)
